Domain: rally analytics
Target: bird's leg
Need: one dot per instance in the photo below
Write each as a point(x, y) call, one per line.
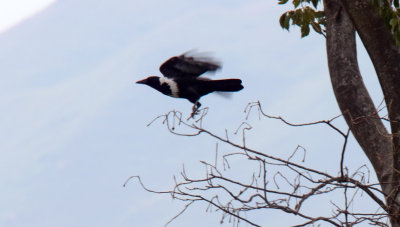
point(196, 106)
point(195, 109)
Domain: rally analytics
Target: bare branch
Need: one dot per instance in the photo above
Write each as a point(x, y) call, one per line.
point(295, 183)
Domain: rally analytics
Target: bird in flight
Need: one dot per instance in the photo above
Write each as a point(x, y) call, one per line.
point(182, 79)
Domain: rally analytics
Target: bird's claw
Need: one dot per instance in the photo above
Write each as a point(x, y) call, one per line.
point(195, 110)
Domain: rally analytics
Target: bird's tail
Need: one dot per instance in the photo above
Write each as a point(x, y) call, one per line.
point(226, 85)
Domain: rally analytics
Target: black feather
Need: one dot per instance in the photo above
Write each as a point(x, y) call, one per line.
point(187, 66)
point(182, 79)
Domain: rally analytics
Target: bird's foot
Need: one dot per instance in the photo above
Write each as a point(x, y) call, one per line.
point(195, 110)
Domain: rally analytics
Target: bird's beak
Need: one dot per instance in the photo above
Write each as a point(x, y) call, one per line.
point(142, 81)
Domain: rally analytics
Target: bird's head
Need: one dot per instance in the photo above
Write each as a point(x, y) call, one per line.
point(151, 81)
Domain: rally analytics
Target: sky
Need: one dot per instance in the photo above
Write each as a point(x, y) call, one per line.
point(13, 12)
point(74, 122)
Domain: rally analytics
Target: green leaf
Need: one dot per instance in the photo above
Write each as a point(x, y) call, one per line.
point(296, 3)
point(308, 15)
point(316, 27)
point(281, 2)
point(284, 21)
point(305, 30)
point(319, 14)
point(297, 17)
point(303, 16)
point(322, 21)
point(315, 3)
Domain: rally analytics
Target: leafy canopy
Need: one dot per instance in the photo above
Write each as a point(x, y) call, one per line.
point(306, 14)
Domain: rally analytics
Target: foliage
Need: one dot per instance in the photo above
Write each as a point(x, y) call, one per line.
point(305, 14)
point(390, 12)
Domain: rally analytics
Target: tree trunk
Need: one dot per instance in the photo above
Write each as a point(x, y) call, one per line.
point(385, 56)
point(354, 101)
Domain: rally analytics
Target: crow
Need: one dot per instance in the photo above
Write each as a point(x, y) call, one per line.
point(182, 79)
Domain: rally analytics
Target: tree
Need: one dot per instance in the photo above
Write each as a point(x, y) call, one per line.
point(378, 25)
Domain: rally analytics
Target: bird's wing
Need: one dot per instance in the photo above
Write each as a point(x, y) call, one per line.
point(188, 66)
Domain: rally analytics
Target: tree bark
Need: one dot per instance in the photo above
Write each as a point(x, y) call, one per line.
point(382, 148)
point(385, 56)
point(384, 53)
point(351, 94)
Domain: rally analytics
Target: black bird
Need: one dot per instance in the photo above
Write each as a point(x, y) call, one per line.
point(181, 79)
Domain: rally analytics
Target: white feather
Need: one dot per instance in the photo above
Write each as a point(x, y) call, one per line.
point(172, 85)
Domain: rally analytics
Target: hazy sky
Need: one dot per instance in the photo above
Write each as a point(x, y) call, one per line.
point(74, 122)
point(13, 12)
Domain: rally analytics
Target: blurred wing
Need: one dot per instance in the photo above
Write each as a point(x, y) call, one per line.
point(188, 66)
